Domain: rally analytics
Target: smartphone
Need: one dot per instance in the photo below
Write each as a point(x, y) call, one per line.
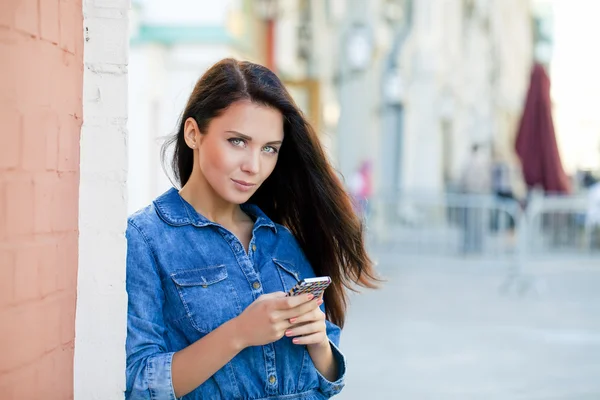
point(315, 286)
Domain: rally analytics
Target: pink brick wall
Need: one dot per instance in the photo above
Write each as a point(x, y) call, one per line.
point(41, 84)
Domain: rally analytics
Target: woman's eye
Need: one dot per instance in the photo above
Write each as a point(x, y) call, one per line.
point(270, 149)
point(237, 142)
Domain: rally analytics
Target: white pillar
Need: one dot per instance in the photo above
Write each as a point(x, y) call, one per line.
point(100, 327)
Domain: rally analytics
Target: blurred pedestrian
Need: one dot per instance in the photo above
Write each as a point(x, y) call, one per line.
point(209, 264)
point(361, 188)
point(505, 181)
point(475, 180)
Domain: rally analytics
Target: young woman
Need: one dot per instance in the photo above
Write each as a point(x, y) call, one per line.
point(208, 265)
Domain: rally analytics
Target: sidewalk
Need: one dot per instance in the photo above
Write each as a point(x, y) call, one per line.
point(441, 329)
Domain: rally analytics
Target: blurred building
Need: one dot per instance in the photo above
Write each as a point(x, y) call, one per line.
point(467, 66)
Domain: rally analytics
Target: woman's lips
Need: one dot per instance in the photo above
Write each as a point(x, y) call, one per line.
point(242, 185)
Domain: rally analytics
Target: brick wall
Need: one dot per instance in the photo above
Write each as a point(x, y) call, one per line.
point(41, 84)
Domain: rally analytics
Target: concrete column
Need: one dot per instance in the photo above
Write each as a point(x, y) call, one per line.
point(41, 78)
point(101, 297)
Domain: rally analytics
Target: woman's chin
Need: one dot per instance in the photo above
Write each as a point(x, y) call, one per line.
point(238, 198)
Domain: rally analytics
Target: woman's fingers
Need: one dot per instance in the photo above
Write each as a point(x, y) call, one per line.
point(314, 338)
point(306, 329)
point(307, 307)
point(314, 314)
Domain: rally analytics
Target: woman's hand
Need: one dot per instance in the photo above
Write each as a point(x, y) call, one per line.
point(309, 328)
point(268, 317)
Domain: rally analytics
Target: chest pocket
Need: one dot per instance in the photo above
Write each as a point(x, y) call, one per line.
point(208, 296)
point(288, 274)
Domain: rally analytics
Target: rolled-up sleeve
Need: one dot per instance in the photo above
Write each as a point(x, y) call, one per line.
point(148, 363)
point(327, 387)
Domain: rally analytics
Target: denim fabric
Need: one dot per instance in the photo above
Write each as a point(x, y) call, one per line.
point(186, 276)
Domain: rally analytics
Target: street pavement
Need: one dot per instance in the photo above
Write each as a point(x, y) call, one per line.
point(450, 328)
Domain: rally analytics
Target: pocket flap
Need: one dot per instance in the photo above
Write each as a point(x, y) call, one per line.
point(200, 276)
point(287, 267)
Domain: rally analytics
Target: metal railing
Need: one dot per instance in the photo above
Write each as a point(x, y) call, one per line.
point(455, 224)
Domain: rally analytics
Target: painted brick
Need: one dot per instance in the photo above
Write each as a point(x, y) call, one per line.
point(48, 269)
point(20, 343)
point(68, 144)
point(44, 201)
point(14, 387)
point(33, 331)
point(26, 274)
point(107, 44)
point(67, 317)
point(51, 147)
point(10, 139)
point(65, 371)
point(27, 16)
point(49, 323)
point(67, 254)
point(6, 387)
point(70, 25)
point(66, 88)
point(49, 21)
point(53, 374)
point(8, 39)
point(3, 217)
point(39, 131)
point(27, 74)
point(103, 94)
point(110, 149)
point(7, 276)
point(56, 372)
point(46, 93)
point(111, 192)
point(19, 207)
point(8, 94)
point(66, 203)
point(33, 148)
point(40, 86)
point(7, 15)
point(46, 373)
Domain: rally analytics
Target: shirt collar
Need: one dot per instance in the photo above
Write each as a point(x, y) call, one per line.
point(174, 210)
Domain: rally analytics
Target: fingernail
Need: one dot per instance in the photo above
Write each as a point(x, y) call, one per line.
point(310, 297)
point(288, 332)
point(295, 340)
point(292, 320)
point(319, 302)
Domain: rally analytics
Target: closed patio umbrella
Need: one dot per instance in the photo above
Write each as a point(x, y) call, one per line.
point(536, 140)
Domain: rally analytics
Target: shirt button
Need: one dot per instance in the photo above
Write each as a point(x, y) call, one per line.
point(336, 388)
point(253, 247)
point(256, 285)
point(272, 379)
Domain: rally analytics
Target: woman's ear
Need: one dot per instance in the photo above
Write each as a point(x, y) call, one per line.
point(191, 133)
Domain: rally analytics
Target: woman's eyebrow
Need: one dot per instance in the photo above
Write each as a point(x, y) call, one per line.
point(248, 138)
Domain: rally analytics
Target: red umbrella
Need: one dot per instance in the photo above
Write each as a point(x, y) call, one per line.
point(536, 140)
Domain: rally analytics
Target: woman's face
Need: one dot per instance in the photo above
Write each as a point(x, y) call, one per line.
point(240, 149)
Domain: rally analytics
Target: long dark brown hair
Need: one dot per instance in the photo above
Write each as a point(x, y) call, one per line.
point(303, 193)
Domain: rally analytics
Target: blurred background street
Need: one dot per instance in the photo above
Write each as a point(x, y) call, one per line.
point(447, 328)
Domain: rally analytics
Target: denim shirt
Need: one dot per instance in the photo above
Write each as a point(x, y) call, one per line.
point(186, 276)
